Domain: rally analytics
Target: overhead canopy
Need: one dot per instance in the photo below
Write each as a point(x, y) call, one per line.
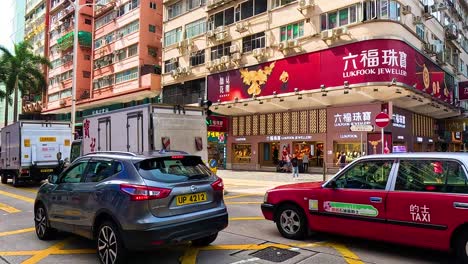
point(66, 41)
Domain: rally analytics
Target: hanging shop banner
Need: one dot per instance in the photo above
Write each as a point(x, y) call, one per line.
point(218, 123)
point(463, 90)
point(357, 63)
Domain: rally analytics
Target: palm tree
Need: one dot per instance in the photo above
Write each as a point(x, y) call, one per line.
point(3, 79)
point(23, 73)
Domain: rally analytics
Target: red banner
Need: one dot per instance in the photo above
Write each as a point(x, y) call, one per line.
point(218, 123)
point(463, 90)
point(360, 62)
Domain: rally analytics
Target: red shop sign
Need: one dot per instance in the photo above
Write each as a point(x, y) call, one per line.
point(360, 62)
point(463, 90)
point(218, 123)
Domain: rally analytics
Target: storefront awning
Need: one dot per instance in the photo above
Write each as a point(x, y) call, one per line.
point(66, 41)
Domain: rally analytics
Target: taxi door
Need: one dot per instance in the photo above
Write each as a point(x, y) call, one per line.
point(427, 202)
point(354, 202)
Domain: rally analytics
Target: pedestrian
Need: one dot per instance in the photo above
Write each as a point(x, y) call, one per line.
point(305, 162)
point(295, 166)
point(341, 160)
point(288, 162)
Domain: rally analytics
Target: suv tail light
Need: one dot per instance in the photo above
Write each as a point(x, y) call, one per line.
point(24, 171)
point(218, 185)
point(141, 193)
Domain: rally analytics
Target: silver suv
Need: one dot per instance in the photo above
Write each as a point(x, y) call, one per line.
point(128, 202)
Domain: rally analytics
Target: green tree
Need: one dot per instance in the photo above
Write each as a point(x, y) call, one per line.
point(22, 72)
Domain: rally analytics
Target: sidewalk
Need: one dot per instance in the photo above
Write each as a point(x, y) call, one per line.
point(258, 182)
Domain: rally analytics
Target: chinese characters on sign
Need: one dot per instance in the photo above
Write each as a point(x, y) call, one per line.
point(349, 119)
point(224, 86)
point(420, 213)
point(399, 121)
point(375, 62)
point(100, 111)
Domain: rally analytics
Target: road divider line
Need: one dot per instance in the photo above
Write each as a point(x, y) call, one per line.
point(243, 202)
point(14, 232)
point(45, 253)
point(190, 256)
point(8, 209)
point(246, 218)
point(16, 196)
point(349, 256)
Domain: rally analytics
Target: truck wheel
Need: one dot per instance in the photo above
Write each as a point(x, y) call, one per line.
point(16, 181)
point(4, 178)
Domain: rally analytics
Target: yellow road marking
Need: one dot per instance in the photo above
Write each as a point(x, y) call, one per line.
point(246, 218)
point(238, 196)
point(45, 253)
point(20, 231)
point(75, 251)
point(19, 253)
point(243, 202)
point(16, 196)
point(8, 208)
point(347, 254)
point(190, 256)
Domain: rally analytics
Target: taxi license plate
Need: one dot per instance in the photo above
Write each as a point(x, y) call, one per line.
point(191, 198)
point(47, 170)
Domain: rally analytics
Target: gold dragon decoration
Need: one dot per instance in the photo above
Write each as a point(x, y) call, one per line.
point(256, 78)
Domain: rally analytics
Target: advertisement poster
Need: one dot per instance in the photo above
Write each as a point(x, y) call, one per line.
point(360, 62)
point(463, 90)
point(374, 143)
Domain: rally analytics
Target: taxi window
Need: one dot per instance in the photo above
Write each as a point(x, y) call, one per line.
point(431, 176)
point(371, 174)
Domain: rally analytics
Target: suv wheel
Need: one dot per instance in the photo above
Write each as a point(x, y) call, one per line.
point(205, 241)
point(291, 222)
point(4, 178)
point(41, 223)
point(109, 244)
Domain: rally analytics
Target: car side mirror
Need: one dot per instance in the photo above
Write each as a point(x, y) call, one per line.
point(53, 178)
point(333, 184)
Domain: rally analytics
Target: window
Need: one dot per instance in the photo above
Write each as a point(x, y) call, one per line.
point(87, 21)
point(223, 18)
point(170, 65)
point(105, 19)
point(339, 18)
point(421, 31)
point(153, 5)
point(128, 29)
point(371, 174)
point(195, 28)
point(127, 7)
point(99, 170)
point(191, 4)
point(152, 28)
point(197, 58)
point(292, 31)
point(127, 75)
point(173, 36)
point(103, 82)
point(152, 51)
point(86, 74)
point(254, 41)
point(221, 50)
point(75, 174)
point(53, 97)
point(174, 10)
point(431, 176)
point(65, 93)
point(277, 3)
point(172, 170)
point(243, 11)
point(132, 50)
point(381, 9)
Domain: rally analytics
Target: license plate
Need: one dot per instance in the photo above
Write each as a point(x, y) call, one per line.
point(191, 198)
point(47, 170)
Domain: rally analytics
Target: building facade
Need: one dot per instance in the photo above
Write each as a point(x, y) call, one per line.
point(35, 25)
point(295, 76)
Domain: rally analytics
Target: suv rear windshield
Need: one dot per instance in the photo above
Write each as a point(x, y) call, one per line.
point(173, 169)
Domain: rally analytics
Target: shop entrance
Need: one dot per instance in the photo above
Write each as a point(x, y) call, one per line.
point(216, 151)
point(313, 149)
point(269, 153)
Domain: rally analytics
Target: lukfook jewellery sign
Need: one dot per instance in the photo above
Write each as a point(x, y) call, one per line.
point(352, 119)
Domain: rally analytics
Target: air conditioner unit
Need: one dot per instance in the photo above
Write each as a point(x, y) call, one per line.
point(236, 57)
point(430, 48)
point(217, 62)
point(326, 34)
point(293, 43)
point(186, 70)
point(406, 10)
point(441, 6)
point(219, 29)
point(233, 48)
point(174, 73)
point(173, 60)
point(225, 59)
point(283, 45)
point(63, 102)
point(210, 3)
point(209, 65)
point(417, 20)
point(304, 4)
point(337, 32)
point(179, 70)
point(258, 53)
point(210, 33)
point(242, 26)
point(221, 36)
point(119, 35)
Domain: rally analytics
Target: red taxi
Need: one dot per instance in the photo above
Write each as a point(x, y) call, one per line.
point(416, 199)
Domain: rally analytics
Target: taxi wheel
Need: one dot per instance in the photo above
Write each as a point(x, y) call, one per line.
point(204, 241)
point(42, 225)
point(461, 247)
point(109, 244)
point(291, 222)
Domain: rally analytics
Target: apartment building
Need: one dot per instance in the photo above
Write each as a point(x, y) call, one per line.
point(35, 25)
point(294, 76)
point(126, 51)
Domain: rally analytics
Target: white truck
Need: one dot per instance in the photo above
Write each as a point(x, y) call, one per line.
point(33, 149)
point(145, 128)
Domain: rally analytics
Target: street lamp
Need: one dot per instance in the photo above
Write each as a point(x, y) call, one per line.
point(76, 8)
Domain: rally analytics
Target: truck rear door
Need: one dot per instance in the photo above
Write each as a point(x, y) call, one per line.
point(135, 132)
point(104, 134)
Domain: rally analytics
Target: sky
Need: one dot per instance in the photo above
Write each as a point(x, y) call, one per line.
point(6, 24)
